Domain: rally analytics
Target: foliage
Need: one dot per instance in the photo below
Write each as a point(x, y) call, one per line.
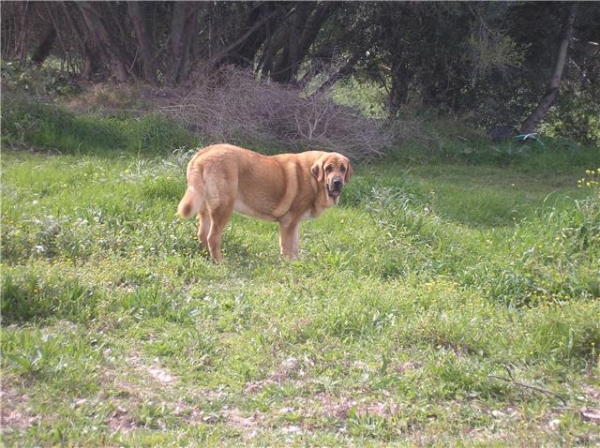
point(489, 62)
point(42, 81)
point(577, 116)
point(589, 227)
point(366, 96)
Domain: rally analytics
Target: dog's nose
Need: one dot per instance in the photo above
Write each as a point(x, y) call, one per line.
point(337, 184)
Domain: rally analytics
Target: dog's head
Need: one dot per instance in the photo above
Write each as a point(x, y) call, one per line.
point(332, 170)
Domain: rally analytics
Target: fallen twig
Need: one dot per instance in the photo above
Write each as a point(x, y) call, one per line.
point(531, 386)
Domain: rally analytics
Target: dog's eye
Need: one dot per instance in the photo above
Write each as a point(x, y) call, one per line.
point(343, 168)
point(329, 169)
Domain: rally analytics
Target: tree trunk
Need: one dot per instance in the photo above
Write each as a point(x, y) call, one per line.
point(320, 14)
point(306, 22)
point(15, 29)
point(92, 61)
point(104, 42)
point(243, 56)
point(532, 122)
point(138, 17)
point(223, 53)
point(402, 76)
point(43, 49)
point(182, 26)
point(334, 77)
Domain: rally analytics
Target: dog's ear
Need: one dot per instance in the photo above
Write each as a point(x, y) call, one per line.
point(318, 171)
point(349, 172)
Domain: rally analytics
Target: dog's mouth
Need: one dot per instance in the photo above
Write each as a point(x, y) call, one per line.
point(334, 189)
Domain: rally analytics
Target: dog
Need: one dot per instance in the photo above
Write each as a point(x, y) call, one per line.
point(286, 188)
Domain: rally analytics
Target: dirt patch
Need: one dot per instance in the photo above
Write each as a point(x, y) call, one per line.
point(340, 407)
point(138, 382)
point(13, 410)
point(289, 369)
point(121, 421)
point(161, 375)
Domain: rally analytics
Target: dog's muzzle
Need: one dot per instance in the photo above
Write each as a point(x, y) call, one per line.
point(334, 189)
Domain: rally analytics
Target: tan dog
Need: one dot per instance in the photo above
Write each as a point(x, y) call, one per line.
point(287, 188)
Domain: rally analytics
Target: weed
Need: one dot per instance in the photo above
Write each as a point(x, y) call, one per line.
point(30, 295)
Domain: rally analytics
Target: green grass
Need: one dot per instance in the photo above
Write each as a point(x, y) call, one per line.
point(46, 125)
point(440, 304)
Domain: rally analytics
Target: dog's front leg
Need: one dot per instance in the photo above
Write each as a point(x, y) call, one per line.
point(289, 239)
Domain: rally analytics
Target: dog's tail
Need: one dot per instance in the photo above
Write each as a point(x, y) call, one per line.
point(190, 203)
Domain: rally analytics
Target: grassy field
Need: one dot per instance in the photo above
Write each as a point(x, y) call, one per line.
point(440, 304)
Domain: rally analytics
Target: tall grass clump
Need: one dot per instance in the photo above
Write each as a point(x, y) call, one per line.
point(27, 122)
point(30, 296)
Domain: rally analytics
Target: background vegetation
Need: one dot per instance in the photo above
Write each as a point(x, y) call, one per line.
point(492, 63)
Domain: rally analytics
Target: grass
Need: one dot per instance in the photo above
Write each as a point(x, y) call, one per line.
point(440, 304)
point(26, 122)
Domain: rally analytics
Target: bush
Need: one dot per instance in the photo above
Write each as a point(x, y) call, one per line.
point(236, 108)
point(577, 116)
point(41, 81)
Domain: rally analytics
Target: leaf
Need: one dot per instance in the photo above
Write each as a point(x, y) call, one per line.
point(25, 363)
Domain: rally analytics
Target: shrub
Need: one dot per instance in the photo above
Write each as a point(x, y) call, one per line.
point(235, 107)
point(44, 80)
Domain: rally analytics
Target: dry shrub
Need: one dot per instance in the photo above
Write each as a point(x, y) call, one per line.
point(233, 106)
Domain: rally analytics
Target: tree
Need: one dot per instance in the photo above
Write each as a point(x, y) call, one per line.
point(16, 29)
point(137, 14)
point(110, 38)
point(480, 59)
point(532, 122)
point(306, 21)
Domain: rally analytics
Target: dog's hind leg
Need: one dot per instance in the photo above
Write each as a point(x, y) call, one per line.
point(203, 227)
point(218, 219)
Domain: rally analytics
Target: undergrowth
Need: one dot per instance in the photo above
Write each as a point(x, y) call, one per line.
point(47, 126)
